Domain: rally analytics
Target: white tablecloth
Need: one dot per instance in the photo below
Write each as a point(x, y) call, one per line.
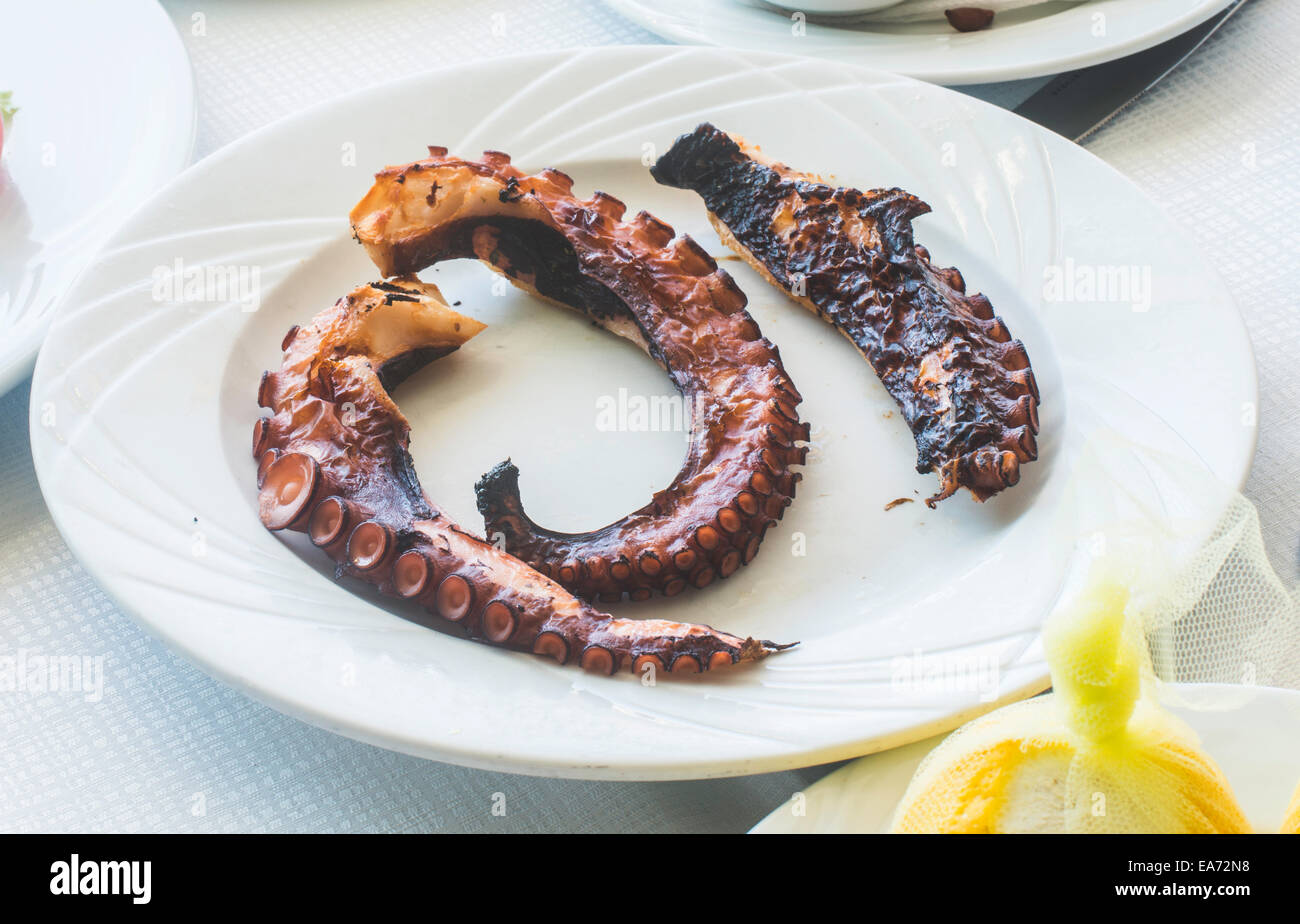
point(169, 749)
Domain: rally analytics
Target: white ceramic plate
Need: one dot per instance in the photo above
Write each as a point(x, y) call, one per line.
point(106, 117)
point(1028, 42)
point(143, 404)
point(1251, 735)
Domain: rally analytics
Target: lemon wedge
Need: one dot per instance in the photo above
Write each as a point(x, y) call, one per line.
point(1098, 755)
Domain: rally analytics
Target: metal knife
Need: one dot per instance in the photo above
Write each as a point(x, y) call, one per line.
point(1077, 103)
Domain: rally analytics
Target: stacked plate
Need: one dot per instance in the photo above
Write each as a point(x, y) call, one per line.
point(1026, 40)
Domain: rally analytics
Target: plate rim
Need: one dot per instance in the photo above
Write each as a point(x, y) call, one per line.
point(534, 763)
point(642, 13)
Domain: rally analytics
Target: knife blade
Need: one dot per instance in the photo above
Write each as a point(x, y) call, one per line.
point(1078, 103)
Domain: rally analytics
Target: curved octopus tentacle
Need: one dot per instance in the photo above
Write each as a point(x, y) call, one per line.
point(333, 462)
point(965, 387)
point(662, 292)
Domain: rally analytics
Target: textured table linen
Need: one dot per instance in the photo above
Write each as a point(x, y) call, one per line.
point(166, 748)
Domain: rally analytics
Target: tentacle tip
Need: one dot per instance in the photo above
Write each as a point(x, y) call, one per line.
point(502, 470)
point(947, 488)
point(497, 486)
point(757, 649)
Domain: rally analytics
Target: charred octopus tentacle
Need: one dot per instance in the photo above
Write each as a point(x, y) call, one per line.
point(333, 463)
point(661, 291)
point(965, 387)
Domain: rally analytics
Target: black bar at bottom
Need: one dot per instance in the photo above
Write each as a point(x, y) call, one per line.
point(639, 875)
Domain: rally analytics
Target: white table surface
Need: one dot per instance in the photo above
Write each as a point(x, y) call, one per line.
point(169, 749)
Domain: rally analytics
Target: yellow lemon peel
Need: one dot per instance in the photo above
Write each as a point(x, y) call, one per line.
point(1291, 823)
point(1099, 755)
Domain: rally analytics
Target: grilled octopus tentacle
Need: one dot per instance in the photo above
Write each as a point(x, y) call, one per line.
point(964, 386)
point(661, 291)
point(333, 463)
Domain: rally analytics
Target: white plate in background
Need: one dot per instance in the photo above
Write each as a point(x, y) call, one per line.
point(1028, 42)
point(143, 406)
point(106, 117)
point(834, 7)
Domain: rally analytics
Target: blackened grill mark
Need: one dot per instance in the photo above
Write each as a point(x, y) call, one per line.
point(511, 193)
point(551, 260)
point(400, 368)
point(889, 300)
point(404, 469)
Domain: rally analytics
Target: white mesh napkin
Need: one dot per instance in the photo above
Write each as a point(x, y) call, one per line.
point(1212, 607)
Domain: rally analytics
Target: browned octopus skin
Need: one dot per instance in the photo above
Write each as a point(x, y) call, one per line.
point(664, 293)
point(964, 386)
point(333, 463)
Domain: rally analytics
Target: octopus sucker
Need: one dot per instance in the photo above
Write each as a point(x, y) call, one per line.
point(333, 463)
point(964, 385)
point(660, 290)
